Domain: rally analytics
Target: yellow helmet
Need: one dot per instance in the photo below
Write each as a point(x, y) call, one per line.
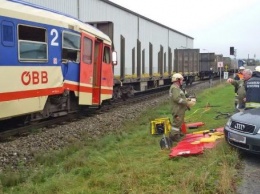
point(257, 68)
point(176, 77)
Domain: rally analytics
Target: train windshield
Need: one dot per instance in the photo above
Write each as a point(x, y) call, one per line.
point(70, 46)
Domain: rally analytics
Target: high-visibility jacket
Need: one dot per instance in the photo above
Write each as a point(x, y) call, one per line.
point(239, 76)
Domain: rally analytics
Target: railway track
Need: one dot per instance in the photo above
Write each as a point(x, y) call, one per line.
point(12, 130)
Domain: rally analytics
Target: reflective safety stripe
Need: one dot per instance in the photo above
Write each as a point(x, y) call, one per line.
point(180, 101)
point(252, 105)
point(174, 129)
point(240, 75)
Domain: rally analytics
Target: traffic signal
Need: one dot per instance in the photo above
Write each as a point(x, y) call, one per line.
point(232, 50)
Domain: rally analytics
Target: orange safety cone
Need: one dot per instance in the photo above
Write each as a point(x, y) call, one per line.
point(183, 128)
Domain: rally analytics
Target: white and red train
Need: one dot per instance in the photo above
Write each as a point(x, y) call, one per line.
point(50, 64)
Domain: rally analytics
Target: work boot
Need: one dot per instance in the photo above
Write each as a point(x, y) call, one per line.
point(174, 137)
point(174, 134)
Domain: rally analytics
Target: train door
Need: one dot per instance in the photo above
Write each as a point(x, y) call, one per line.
point(86, 69)
point(97, 72)
point(90, 70)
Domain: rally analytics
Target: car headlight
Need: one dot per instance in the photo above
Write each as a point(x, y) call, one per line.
point(258, 132)
point(228, 122)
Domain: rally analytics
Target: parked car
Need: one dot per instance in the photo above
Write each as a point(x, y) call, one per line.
point(243, 130)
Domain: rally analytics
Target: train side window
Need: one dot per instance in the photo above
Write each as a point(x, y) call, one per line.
point(32, 44)
point(106, 56)
point(7, 33)
point(87, 50)
point(70, 46)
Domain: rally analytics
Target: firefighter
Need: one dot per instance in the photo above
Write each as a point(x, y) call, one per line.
point(241, 92)
point(239, 76)
point(179, 104)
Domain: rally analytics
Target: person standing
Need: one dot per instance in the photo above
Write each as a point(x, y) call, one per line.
point(253, 90)
point(210, 76)
point(179, 104)
point(240, 85)
point(238, 76)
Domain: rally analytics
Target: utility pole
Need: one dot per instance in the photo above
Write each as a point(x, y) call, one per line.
point(235, 55)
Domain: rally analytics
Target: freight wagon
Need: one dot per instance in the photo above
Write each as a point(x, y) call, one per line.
point(186, 62)
point(208, 61)
point(230, 65)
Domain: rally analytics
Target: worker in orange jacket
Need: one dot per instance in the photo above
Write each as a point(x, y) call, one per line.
point(239, 75)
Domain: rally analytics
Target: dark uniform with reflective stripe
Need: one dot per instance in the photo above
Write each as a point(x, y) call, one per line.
point(253, 91)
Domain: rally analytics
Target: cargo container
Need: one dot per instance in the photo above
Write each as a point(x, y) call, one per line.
point(186, 62)
point(207, 61)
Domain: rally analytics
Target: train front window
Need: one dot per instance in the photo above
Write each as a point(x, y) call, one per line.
point(70, 46)
point(106, 56)
point(32, 44)
point(87, 50)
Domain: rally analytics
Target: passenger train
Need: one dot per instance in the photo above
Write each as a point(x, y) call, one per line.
point(51, 64)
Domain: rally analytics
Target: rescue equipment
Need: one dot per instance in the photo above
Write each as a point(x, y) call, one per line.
point(194, 125)
point(222, 115)
point(208, 131)
point(160, 126)
point(196, 142)
point(191, 102)
point(183, 128)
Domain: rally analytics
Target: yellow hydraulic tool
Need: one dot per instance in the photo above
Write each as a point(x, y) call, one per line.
point(162, 126)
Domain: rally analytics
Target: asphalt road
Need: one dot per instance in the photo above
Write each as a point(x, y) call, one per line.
point(250, 174)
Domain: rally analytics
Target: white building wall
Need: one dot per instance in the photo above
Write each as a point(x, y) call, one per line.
point(69, 7)
point(157, 36)
point(126, 23)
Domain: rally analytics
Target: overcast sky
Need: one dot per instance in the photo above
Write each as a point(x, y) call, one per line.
point(215, 25)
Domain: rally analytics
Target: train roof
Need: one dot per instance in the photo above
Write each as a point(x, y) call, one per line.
point(31, 12)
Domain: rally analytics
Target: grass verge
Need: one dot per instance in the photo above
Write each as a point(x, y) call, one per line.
point(132, 161)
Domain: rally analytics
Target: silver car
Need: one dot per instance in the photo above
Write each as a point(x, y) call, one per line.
point(243, 130)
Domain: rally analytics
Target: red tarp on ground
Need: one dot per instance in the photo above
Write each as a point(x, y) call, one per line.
point(191, 144)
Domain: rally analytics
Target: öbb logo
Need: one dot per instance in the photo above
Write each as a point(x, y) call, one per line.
point(34, 77)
